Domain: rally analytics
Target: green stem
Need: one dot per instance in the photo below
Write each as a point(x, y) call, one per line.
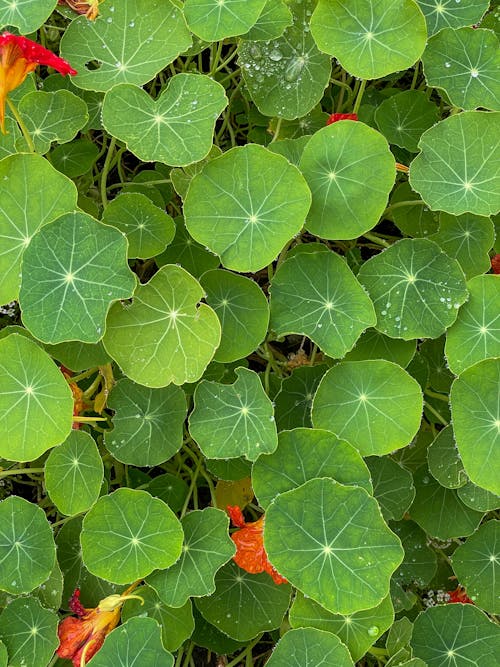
point(277, 130)
point(400, 204)
point(434, 394)
point(192, 486)
point(22, 126)
point(436, 414)
point(359, 96)
point(415, 76)
point(244, 654)
point(105, 171)
point(19, 471)
point(85, 374)
point(215, 57)
point(375, 238)
point(189, 653)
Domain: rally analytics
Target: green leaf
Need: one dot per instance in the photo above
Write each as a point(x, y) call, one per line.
point(375, 345)
point(119, 545)
point(242, 309)
point(50, 592)
point(36, 403)
point(244, 605)
point(317, 295)
point(411, 219)
point(213, 20)
point(148, 423)
point(74, 473)
point(187, 253)
point(271, 24)
point(246, 220)
point(286, 76)
point(476, 422)
point(4, 658)
point(304, 454)
point(28, 15)
point(171, 489)
point(455, 634)
point(27, 549)
point(148, 228)
point(163, 336)
point(357, 631)
point(77, 356)
point(399, 635)
point(129, 43)
point(392, 486)
point(176, 128)
point(370, 38)
point(445, 464)
point(309, 647)
point(374, 405)
point(476, 333)
point(233, 420)
point(450, 13)
point(420, 562)
point(207, 546)
point(477, 498)
point(403, 117)
point(331, 542)
point(9, 140)
point(73, 268)
point(350, 171)
point(294, 400)
point(476, 563)
point(47, 193)
point(230, 470)
point(138, 641)
point(415, 287)
point(75, 158)
point(464, 63)
point(458, 168)
point(29, 632)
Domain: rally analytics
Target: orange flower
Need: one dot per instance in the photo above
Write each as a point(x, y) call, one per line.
point(459, 595)
point(18, 57)
point(335, 117)
point(90, 8)
point(250, 553)
point(79, 404)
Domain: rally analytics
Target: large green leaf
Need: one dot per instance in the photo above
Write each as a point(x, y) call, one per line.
point(163, 336)
point(36, 403)
point(370, 38)
point(450, 13)
point(331, 542)
point(213, 20)
point(374, 405)
point(73, 268)
point(29, 631)
point(309, 647)
point(245, 205)
point(27, 15)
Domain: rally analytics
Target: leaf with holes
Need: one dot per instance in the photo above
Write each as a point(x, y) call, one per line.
point(309, 647)
point(27, 15)
point(213, 20)
point(29, 631)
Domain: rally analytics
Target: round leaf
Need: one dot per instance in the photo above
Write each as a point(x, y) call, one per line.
point(75, 158)
point(29, 632)
point(350, 171)
point(415, 287)
point(450, 13)
point(331, 542)
point(27, 549)
point(445, 464)
point(403, 117)
point(392, 486)
point(476, 422)
point(412, 219)
point(309, 647)
point(36, 404)
point(374, 345)
point(77, 356)
point(458, 168)
point(171, 489)
point(73, 268)
point(246, 220)
point(374, 405)
point(28, 15)
point(213, 20)
point(163, 336)
point(119, 545)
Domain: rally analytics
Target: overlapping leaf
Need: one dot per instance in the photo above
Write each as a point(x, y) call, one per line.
point(28, 15)
point(213, 20)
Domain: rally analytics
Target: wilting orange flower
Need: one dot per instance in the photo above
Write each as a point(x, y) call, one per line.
point(18, 57)
point(250, 553)
point(334, 117)
point(459, 595)
point(79, 404)
point(88, 7)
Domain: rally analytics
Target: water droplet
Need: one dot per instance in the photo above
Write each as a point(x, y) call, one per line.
point(373, 631)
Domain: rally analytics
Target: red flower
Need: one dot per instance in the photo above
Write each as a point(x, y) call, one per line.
point(459, 595)
point(495, 264)
point(250, 553)
point(18, 57)
point(334, 117)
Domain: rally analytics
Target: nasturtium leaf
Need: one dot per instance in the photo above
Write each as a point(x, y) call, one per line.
point(148, 228)
point(46, 193)
point(415, 287)
point(27, 15)
point(50, 592)
point(271, 24)
point(36, 404)
point(213, 20)
point(128, 534)
point(392, 486)
point(439, 511)
point(420, 562)
point(309, 647)
point(29, 631)
point(357, 631)
point(129, 43)
point(444, 461)
point(477, 498)
point(476, 422)
point(230, 470)
point(8, 141)
point(375, 345)
point(233, 420)
point(207, 547)
point(370, 38)
point(476, 333)
point(244, 605)
point(375, 405)
point(304, 454)
point(136, 642)
point(350, 171)
point(286, 76)
point(458, 168)
point(75, 158)
point(403, 117)
point(186, 252)
point(148, 423)
point(294, 400)
point(316, 294)
point(171, 489)
point(399, 635)
point(331, 542)
point(248, 218)
point(464, 63)
point(451, 14)
point(163, 336)
point(74, 473)
point(207, 635)
point(242, 309)
point(476, 563)
point(455, 634)
point(27, 548)
point(4, 658)
point(77, 356)
point(412, 219)
point(176, 128)
point(73, 269)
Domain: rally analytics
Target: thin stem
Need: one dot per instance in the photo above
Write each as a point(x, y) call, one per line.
point(19, 471)
point(277, 130)
point(88, 420)
point(434, 394)
point(376, 239)
point(436, 414)
point(415, 76)
point(105, 171)
point(22, 126)
point(244, 654)
point(359, 96)
point(189, 653)
point(85, 374)
point(400, 204)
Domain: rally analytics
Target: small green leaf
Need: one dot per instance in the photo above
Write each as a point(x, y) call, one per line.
point(28, 15)
point(77, 356)
point(4, 658)
point(171, 489)
point(403, 117)
point(477, 498)
point(309, 647)
point(29, 632)
point(412, 219)
point(445, 464)
point(450, 13)
point(187, 253)
point(420, 562)
point(294, 400)
point(392, 486)
point(375, 345)
point(75, 158)
point(271, 24)
point(213, 20)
